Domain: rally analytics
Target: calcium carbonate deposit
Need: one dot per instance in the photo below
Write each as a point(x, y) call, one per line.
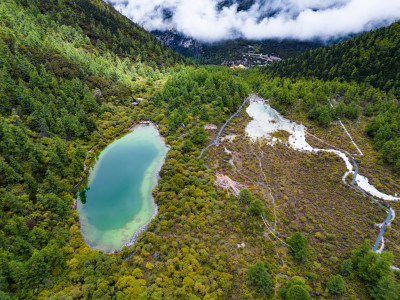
point(266, 120)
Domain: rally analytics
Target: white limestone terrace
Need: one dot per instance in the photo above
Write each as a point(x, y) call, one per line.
point(266, 121)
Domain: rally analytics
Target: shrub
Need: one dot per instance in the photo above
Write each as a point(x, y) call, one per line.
point(336, 285)
point(259, 276)
point(298, 246)
point(346, 267)
point(256, 207)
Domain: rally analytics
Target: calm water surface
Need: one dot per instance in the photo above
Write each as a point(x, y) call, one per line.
point(118, 192)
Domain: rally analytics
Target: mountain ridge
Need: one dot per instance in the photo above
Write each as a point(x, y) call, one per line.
point(371, 57)
point(76, 75)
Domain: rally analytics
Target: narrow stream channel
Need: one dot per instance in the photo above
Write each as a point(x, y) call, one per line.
point(266, 120)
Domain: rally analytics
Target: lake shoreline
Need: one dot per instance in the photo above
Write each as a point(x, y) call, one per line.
point(103, 239)
point(144, 227)
point(95, 148)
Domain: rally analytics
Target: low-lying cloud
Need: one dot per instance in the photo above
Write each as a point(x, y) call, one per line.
point(216, 20)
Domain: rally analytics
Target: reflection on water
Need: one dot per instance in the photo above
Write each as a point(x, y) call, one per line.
point(117, 199)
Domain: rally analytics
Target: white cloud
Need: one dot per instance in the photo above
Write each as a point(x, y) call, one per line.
point(297, 19)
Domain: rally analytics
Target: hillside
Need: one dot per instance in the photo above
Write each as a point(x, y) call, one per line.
point(231, 51)
point(108, 30)
point(372, 57)
point(76, 75)
point(67, 82)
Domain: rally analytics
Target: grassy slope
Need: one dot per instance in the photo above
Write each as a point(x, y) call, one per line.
point(200, 229)
point(310, 196)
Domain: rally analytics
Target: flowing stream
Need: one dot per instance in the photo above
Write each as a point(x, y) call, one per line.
point(266, 120)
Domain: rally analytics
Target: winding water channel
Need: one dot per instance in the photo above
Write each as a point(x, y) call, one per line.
point(266, 121)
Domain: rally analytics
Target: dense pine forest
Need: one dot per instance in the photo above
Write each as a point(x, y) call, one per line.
point(69, 73)
point(371, 60)
point(372, 57)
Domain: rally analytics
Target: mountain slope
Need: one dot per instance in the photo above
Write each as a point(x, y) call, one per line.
point(68, 77)
point(372, 57)
point(107, 29)
point(67, 82)
point(219, 52)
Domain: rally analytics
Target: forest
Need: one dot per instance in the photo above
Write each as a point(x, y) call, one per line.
point(230, 50)
point(372, 57)
point(69, 72)
point(372, 61)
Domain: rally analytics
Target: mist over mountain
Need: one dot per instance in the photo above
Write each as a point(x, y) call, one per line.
point(216, 20)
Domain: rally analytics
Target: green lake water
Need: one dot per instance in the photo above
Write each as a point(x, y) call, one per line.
point(119, 189)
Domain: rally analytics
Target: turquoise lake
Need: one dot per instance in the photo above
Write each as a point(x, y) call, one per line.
point(119, 189)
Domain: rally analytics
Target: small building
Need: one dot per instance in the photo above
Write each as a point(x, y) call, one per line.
point(210, 127)
point(135, 103)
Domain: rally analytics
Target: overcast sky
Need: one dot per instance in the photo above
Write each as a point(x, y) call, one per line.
point(296, 19)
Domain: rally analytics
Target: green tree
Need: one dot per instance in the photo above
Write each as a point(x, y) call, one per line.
point(325, 116)
point(259, 276)
point(346, 268)
point(38, 237)
point(245, 196)
point(298, 247)
point(336, 285)
point(37, 267)
point(352, 111)
point(368, 110)
point(386, 289)
point(204, 114)
point(132, 285)
point(359, 254)
point(297, 292)
point(340, 109)
point(198, 135)
point(370, 266)
point(256, 208)
point(187, 146)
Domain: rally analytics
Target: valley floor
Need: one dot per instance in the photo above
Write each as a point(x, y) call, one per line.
point(304, 192)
